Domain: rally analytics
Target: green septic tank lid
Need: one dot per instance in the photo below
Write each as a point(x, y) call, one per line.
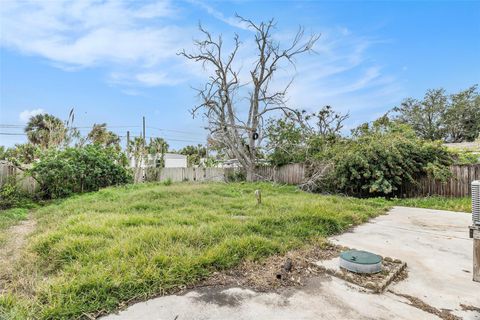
point(360, 257)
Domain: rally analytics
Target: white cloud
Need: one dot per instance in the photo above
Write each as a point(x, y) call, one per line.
point(118, 35)
point(136, 44)
point(153, 79)
point(232, 21)
point(25, 115)
point(340, 74)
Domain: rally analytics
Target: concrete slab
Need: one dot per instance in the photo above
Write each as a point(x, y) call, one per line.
point(437, 249)
point(434, 243)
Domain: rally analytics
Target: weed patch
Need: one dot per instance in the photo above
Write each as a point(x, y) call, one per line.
point(93, 252)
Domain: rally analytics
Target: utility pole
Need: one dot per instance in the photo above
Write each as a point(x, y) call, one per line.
point(128, 141)
point(144, 137)
point(128, 148)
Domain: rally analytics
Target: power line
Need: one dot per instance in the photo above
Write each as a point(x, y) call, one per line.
point(168, 139)
point(171, 130)
point(182, 138)
point(121, 136)
point(108, 126)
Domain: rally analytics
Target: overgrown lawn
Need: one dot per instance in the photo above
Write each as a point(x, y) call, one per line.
point(92, 252)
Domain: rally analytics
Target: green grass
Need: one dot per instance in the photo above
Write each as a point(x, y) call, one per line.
point(94, 251)
point(12, 216)
point(462, 204)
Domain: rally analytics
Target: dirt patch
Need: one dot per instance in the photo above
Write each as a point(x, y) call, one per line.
point(469, 308)
point(11, 251)
point(297, 266)
point(292, 269)
point(422, 305)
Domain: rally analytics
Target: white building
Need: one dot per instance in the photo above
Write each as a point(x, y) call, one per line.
point(175, 160)
point(172, 160)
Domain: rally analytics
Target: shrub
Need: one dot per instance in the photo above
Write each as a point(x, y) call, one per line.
point(63, 172)
point(12, 196)
point(378, 161)
point(9, 195)
point(467, 158)
point(235, 175)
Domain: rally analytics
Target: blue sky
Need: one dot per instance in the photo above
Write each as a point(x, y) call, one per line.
point(116, 61)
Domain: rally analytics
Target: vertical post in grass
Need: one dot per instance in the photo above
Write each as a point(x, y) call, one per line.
point(258, 195)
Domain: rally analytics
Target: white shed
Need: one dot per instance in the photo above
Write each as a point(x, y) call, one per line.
point(172, 160)
point(175, 160)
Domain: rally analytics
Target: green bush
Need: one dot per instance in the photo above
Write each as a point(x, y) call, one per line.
point(63, 172)
point(465, 158)
point(235, 175)
point(9, 195)
point(378, 161)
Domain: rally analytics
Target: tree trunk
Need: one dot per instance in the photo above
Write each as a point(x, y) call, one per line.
point(250, 173)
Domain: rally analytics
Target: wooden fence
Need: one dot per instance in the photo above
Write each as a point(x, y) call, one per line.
point(459, 185)
point(290, 174)
point(9, 173)
point(184, 174)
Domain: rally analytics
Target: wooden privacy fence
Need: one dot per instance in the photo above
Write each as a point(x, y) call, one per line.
point(10, 173)
point(290, 174)
point(184, 174)
point(459, 184)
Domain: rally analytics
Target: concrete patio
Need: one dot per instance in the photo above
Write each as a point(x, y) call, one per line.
point(434, 244)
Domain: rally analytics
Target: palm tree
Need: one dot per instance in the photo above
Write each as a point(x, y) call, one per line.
point(157, 148)
point(45, 130)
point(101, 136)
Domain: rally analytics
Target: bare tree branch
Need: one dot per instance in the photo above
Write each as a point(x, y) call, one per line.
point(242, 137)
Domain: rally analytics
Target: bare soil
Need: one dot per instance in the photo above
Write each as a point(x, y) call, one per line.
point(467, 307)
point(291, 269)
point(420, 304)
point(11, 251)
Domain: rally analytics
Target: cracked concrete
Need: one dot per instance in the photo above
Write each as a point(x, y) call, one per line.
point(434, 243)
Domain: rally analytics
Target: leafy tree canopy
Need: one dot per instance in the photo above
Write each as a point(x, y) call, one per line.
point(194, 154)
point(300, 135)
point(438, 116)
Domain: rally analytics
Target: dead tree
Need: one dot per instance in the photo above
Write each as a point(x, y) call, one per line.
point(242, 136)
